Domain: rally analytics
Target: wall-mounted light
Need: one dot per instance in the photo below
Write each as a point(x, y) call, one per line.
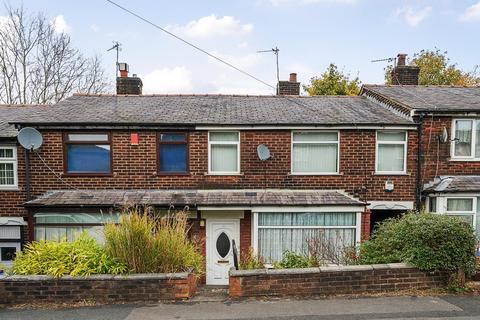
point(389, 186)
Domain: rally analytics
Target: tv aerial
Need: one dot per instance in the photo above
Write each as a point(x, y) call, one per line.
point(263, 152)
point(275, 52)
point(117, 46)
point(30, 138)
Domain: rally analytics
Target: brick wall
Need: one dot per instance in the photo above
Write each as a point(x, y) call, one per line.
point(331, 280)
point(97, 288)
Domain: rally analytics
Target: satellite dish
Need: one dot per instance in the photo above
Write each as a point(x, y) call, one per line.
point(444, 135)
point(263, 152)
point(30, 138)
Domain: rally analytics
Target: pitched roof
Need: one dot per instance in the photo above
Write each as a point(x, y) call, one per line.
point(9, 112)
point(428, 98)
point(212, 110)
point(193, 198)
point(451, 184)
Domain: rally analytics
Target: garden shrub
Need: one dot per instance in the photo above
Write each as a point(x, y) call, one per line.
point(148, 243)
point(292, 259)
point(81, 257)
point(431, 242)
point(251, 260)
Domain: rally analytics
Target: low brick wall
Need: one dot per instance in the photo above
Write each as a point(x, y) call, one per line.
point(331, 280)
point(97, 288)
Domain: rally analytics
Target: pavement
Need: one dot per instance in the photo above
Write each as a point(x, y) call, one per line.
point(381, 308)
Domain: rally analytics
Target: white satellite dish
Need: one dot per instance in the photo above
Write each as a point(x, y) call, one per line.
point(444, 135)
point(30, 138)
point(263, 152)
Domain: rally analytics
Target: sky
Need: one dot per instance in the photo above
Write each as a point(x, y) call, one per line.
point(309, 33)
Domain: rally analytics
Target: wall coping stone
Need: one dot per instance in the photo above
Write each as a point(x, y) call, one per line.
point(256, 272)
point(133, 276)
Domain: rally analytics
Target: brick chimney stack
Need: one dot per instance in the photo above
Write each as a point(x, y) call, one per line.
point(290, 87)
point(128, 85)
point(402, 74)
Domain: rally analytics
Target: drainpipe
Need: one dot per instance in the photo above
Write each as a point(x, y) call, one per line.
point(419, 187)
point(28, 193)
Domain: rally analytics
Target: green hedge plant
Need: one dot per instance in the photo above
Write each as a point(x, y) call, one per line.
point(251, 260)
point(431, 242)
point(81, 257)
point(292, 259)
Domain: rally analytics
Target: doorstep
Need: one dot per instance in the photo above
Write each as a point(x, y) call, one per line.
point(209, 293)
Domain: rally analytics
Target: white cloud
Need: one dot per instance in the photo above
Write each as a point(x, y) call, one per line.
point(240, 61)
point(60, 25)
point(211, 26)
point(94, 28)
point(168, 80)
point(305, 2)
point(411, 16)
point(471, 13)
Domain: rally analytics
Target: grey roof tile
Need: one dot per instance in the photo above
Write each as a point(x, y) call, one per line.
point(9, 112)
point(212, 110)
point(451, 184)
point(193, 198)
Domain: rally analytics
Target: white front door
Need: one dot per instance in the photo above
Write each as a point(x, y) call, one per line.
point(220, 233)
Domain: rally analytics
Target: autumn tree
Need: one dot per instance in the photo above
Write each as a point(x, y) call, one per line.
point(40, 65)
point(437, 69)
point(333, 82)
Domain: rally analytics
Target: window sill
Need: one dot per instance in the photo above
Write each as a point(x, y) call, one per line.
point(317, 174)
point(464, 160)
point(391, 174)
point(159, 174)
point(12, 188)
point(224, 174)
point(87, 174)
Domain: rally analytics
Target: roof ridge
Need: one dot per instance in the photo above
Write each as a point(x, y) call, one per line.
point(79, 94)
point(421, 86)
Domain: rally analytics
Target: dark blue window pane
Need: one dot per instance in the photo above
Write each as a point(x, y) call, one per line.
point(172, 137)
point(88, 158)
point(173, 158)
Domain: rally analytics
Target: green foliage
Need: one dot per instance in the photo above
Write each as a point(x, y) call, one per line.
point(431, 242)
point(333, 82)
point(437, 69)
point(251, 260)
point(147, 243)
point(81, 257)
point(292, 259)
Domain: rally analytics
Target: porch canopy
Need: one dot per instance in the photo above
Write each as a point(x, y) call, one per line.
point(453, 184)
point(193, 198)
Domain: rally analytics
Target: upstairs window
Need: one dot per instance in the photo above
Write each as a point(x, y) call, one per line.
point(391, 152)
point(8, 167)
point(224, 152)
point(466, 139)
point(315, 152)
point(88, 153)
point(173, 153)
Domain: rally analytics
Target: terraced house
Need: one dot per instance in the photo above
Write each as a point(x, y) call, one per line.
point(268, 172)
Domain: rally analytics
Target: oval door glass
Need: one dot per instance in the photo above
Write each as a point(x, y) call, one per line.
point(223, 245)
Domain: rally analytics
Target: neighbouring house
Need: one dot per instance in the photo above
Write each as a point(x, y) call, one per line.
point(331, 160)
point(448, 120)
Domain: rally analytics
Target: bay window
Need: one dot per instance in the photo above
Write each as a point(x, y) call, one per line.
point(466, 139)
point(315, 152)
point(8, 167)
point(87, 153)
point(463, 208)
point(224, 152)
point(173, 153)
point(391, 149)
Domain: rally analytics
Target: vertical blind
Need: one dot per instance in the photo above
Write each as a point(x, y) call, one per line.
point(315, 152)
point(224, 149)
point(463, 138)
point(391, 151)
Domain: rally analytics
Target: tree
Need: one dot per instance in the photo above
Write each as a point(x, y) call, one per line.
point(436, 69)
point(333, 82)
point(40, 65)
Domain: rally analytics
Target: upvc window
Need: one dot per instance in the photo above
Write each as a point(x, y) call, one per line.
point(466, 139)
point(88, 153)
point(463, 208)
point(315, 152)
point(8, 167)
point(172, 153)
point(391, 157)
point(278, 232)
point(224, 152)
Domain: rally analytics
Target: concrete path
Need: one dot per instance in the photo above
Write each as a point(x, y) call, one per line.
point(450, 307)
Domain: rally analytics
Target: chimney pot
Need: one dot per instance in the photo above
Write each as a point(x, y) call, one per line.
point(123, 73)
point(293, 77)
point(401, 59)
point(126, 84)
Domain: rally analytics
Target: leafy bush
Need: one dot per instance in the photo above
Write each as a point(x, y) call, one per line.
point(430, 242)
point(81, 257)
point(292, 259)
point(251, 260)
point(146, 243)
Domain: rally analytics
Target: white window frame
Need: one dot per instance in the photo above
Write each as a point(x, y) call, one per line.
point(236, 143)
point(453, 141)
point(292, 172)
point(442, 207)
point(405, 146)
point(14, 161)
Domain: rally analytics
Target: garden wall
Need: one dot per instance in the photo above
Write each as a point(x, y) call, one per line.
point(331, 280)
point(97, 288)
